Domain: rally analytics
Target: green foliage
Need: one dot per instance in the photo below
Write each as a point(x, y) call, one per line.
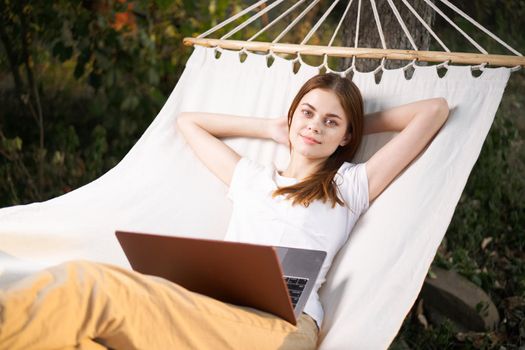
point(80, 82)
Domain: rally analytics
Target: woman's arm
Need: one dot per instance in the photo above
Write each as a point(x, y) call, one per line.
point(203, 130)
point(393, 119)
point(417, 123)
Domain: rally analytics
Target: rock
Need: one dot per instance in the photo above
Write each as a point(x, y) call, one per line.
point(437, 318)
point(453, 297)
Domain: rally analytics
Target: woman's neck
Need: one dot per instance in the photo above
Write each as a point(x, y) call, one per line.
point(301, 167)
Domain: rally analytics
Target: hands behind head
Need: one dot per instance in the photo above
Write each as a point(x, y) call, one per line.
point(279, 130)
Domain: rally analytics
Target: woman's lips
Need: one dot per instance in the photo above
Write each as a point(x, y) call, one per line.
point(310, 141)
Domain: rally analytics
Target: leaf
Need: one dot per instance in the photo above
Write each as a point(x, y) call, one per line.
point(170, 31)
point(58, 158)
point(420, 315)
point(17, 143)
point(129, 103)
point(163, 4)
point(12, 145)
point(212, 8)
point(153, 77)
point(476, 280)
point(485, 242)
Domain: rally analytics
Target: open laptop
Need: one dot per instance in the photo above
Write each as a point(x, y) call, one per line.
point(277, 280)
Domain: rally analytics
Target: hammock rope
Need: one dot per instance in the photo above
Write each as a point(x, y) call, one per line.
point(231, 19)
point(378, 24)
point(319, 22)
point(332, 39)
point(485, 30)
point(295, 21)
point(381, 66)
point(251, 19)
point(325, 56)
point(356, 39)
point(445, 57)
point(402, 23)
point(425, 24)
point(472, 41)
point(284, 14)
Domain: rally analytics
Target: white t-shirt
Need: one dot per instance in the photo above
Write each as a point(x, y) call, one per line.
point(258, 218)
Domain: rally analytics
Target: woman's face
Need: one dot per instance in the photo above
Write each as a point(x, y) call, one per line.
point(319, 125)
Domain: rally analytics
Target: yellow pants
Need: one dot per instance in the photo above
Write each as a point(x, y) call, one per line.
point(86, 305)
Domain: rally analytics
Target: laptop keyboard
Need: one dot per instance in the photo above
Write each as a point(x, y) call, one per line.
point(295, 287)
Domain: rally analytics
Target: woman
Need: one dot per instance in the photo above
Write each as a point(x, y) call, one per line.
point(313, 203)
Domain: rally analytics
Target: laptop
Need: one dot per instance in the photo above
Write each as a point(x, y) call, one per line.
point(276, 280)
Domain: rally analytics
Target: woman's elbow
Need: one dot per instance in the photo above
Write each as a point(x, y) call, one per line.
point(182, 118)
point(440, 108)
point(180, 121)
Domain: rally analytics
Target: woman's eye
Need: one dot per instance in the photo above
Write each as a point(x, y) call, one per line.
point(329, 122)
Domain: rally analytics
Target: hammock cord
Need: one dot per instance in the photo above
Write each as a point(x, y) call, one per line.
point(427, 27)
point(471, 20)
point(295, 21)
point(403, 25)
point(472, 41)
point(325, 56)
point(356, 39)
point(381, 35)
point(313, 31)
point(378, 24)
point(340, 23)
point(251, 19)
point(319, 22)
point(231, 19)
point(276, 20)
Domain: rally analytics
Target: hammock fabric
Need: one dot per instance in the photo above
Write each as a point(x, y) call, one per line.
point(161, 187)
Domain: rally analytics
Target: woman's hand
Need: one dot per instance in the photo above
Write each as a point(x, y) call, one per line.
point(279, 130)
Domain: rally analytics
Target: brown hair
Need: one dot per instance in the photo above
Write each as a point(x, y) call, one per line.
point(321, 184)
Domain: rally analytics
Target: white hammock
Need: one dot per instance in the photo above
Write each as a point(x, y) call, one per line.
point(161, 187)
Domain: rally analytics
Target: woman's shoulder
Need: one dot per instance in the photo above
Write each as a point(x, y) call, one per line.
point(248, 175)
point(353, 183)
point(246, 162)
point(349, 166)
point(351, 173)
point(252, 169)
